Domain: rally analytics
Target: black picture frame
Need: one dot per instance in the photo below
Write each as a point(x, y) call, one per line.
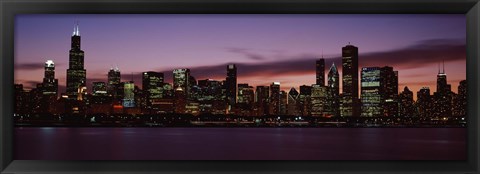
point(9, 8)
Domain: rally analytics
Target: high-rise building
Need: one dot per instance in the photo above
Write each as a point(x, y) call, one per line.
point(443, 96)
point(275, 98)
point(333, 98)
point(99, 93)
point(76, 73)
point(320, 72)
point(462, 99)
point(262, 100)
point(318, 100)
point(407, 108)
point(283, 102)
point(246, 94)
point(373, 93)
point(99, 88)
point(231, 84)
point(181, 78)
point(292, 106)
point(113, 83)
point(390, 89)
point(246, 99)
point(304, 100)
point(349, 105)
point(50, 84)
point(152, 85)
point(424, 102)
point(129, 95)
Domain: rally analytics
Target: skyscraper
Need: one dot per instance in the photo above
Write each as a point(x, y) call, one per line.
point(152, 86)
point(390, 89)
point(443, 96)
point(113, 84)
point(292, 108)
point(349, 105)
point(424, 102)
point(129, 95)
point(407, 108)
point(320, 71)
point(246, 99)
point(262, 95)
point(275, 98)
point(181, 78)
point(231, 84)
point(373, 93)
point(76, 73)
point(333, 98)
point(318, 100)
point(461, 104)
point(304, 100)
point(50, 84)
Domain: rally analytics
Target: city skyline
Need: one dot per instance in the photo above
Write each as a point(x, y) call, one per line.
point(257, 69)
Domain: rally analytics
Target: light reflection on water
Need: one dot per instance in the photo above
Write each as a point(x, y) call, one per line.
point(240, 143)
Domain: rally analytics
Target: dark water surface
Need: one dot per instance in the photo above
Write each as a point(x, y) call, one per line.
point(240, 143)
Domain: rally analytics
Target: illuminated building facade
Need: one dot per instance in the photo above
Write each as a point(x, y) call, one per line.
point(181, 78)
point(152, 85)
point(333, 98)
point(372, 95)
point(318, 100)
point(129, 95)
point(349, 105)
point(76, 73)
point(424, 103)
point(275, 98)
point(231, 85)
point(320, 72)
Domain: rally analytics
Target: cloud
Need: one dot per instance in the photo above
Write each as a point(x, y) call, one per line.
point(31, 66)
point(419, 54)
point(247, 53)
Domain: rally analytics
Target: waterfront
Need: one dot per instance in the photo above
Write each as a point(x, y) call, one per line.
point(49, 143)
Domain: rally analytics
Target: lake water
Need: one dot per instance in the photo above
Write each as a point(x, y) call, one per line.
point(33, 143)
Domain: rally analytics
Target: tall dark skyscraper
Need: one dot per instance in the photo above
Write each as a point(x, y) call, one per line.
point(424, 102)
point(152, 85)
point(462, 98)
point(50, 84)
point(114, 87)
point(333, 98)
point(304, 100)
point(231, 84)
point(292, 106)
point(320, 71)
point(275, 98)
point(349, 106)
point(443, 95)
point(262, 98)
point(76, 73)
point(407, 108)
point(390, 89)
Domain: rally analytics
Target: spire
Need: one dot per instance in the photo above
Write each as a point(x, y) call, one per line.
point(76, 31)
point(333, 68)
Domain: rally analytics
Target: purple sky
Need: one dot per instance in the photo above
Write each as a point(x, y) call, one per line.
point(266, 48)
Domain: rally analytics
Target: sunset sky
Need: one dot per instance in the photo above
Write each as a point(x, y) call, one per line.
point(266, 48)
